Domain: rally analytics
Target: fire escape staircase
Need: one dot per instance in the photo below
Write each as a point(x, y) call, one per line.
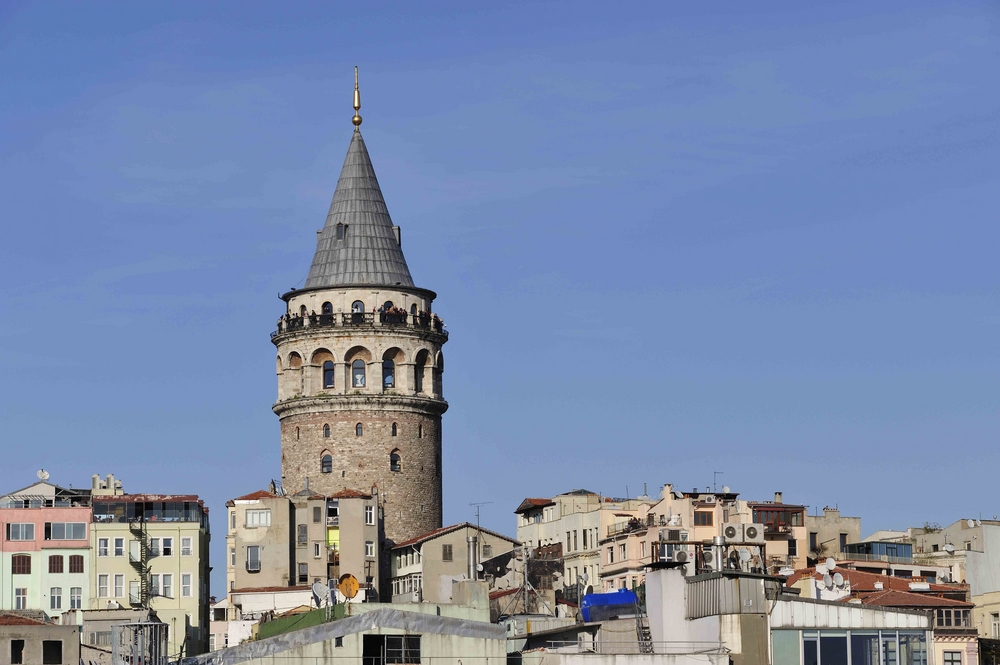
point(140, 563)
point(642, 630)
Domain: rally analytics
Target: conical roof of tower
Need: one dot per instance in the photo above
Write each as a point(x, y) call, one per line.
point(368, 252)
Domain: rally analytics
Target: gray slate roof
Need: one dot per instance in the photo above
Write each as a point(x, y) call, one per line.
point(369, 253)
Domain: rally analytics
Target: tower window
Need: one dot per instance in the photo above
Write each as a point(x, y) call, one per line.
point(388, 374)
point(328, 372)
point(358, 372)
point(413, 308)
point(326, 309)
point(302, 310)
point(358, 430)
point(326, 464)
point(394, 429)
point(326, 431)
point(341, 231)
point(296, 433)
point(387, 305)
point(358, 307)
point(394, 461)
point(420, 431)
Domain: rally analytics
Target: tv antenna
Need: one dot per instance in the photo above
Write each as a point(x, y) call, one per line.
point(715, 476)
point(477, 506)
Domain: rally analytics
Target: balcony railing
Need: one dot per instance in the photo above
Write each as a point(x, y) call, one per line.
point(880, 558)
point(333, 521)
point(358, 319)
point(634, 524)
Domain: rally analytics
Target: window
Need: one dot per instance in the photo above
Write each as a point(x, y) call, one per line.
point(642, 549)
point(487, 551)
point(186, 546)
point(317, 514)
point(102, 547)
point(168, 547)
point(370, 549)
point(341, 231)
point(102, 586)
point(611, 555)
point(575, 541)
point(303, 573)
point(814, 542)
point(793, 547)
point(326, 464)
point(211, 642)
point(302, 310)
point(133, 592)
point(394, 429)
point(154, 547)
point(55, 598)
point(232, 556)
point(315, 550)
point(357, 307)
point(17, 651)
point(995, 625)
point(119, 586)
point(75, 598)
point(154, 585)
point(843, 542)
point(232, 521)
point(420, 431)
point(328, 373)
point(20, 532)
point(370, 515)
point(185, 585)
point(65, 531)
point(253, 558)
point(119, 547)
point(621, 552)
point(257, 518)
point(446, 554)
point(703, 518)
point(388, 374)
point(327, 308)
point(338, 641)
point(303, 531)
point(394, 461)
point(168, 585)
point(358, 430)
point(55, 563)
point(358, 373)
point(567, 541)
point(20, 599)
point(402, 649)
point(952, 658)
point(20, 564)
point(52, 652)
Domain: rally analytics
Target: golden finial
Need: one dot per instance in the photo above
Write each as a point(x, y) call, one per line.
point(357, 101)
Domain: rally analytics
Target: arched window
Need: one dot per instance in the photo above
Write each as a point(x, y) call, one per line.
point(413, 308)
point(358, 430)
point(395, 463)
point(326, 431)
point(326, 464)
point(327, 308)
point(388, 374)
point(302, 310)
point(328, 372)
point(341, 231)
point(358, 307)
point(394, 429)
point(358, 373)
point(387, 305)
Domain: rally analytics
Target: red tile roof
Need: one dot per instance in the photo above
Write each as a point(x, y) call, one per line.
point(529, 503)
point(448, 529)
point(270, 589)
point(892, 598)
point(254, 496)
point(18, 620)
point(350, 494)
point(863, 581)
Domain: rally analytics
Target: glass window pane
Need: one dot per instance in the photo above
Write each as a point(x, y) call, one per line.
point(833, 649)
point(786, 646)
point(810, 654)
point(864, 648)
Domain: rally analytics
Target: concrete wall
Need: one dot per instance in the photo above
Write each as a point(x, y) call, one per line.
point(828, 527)
point(33, 637)
point(276, 557)
point(439, 575)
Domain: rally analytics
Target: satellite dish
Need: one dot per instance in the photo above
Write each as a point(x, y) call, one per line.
point(42, 474)
point(786, 572)
point(949, 548)
point(821, 569)
point(585, 577)
point(838, 579)
point(725, 489)
point(971, 523)
point(828, 581)
point(979, 522)
point(320, 591)
point(830, 563)
point(348, 586)
point(479, 567)
point(744, 554)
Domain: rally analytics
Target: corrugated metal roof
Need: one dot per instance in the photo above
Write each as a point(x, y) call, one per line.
point(367, 253)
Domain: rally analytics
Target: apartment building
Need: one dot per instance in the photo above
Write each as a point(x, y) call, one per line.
point(151, 551)
point(830, 533)
point(279, 541)
point(45, 556)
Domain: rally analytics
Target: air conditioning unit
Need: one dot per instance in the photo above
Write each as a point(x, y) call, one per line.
point(681, 556)
point(672, 551)
point(753, 533)
point(712, 559)
point(733, 532)
point(673, 536)
point(710, 498)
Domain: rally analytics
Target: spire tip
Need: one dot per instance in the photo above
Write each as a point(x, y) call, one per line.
point(357, 102)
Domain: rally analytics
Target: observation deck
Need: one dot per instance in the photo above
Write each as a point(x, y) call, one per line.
point(357, 321)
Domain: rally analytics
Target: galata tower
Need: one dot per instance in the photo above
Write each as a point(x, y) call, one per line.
point(359, 362)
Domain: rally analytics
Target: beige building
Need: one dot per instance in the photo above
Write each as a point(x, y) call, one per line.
point(152, 551)
point(27, 640)
point(830, 533)
point(278, 541)
point(426, 568)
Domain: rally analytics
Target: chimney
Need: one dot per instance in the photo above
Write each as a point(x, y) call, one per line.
point(95, 482)
point(473, 544)
point(777, 497)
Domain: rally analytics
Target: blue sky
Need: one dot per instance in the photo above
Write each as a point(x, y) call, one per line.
point(667, 240)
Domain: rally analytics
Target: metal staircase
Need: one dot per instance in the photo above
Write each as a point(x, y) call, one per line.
point(140, 562)
point(642, 630)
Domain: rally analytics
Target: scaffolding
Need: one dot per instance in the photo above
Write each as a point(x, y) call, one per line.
point(142, 643)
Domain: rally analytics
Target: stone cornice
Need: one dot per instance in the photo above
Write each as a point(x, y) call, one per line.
point(358, 402)
point(354, 331)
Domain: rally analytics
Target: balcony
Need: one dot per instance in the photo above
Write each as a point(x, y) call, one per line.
point(416, 322)
point(633, 525)
point(333, 521)
point(876, 558)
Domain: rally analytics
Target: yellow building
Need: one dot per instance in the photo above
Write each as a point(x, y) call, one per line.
point(151, 551)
